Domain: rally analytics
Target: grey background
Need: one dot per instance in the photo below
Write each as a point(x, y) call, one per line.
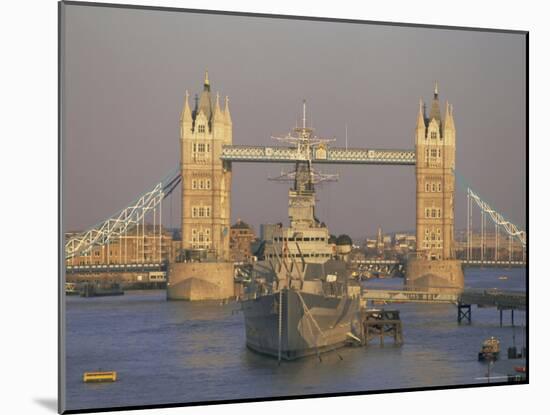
point(127, 72)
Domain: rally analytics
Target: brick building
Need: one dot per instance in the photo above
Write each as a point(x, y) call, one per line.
point(240, 239)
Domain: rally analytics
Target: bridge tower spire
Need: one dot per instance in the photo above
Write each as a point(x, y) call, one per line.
point(186, 118)
point(420, 120)
point(435, 264)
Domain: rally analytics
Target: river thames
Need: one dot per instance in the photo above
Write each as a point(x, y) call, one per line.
point(178, 352)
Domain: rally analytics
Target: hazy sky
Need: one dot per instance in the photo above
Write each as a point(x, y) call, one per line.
point(126, 72)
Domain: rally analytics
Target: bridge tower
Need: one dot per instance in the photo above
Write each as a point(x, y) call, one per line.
point(206, 179)
point(435, 142)
point(205, 203)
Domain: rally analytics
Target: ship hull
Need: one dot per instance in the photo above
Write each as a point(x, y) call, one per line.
point(307, 323)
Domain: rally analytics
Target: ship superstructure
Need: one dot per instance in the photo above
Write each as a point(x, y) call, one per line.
point(301, 301)
point(305, 231)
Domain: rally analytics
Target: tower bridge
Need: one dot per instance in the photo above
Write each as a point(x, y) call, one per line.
point(207, 156)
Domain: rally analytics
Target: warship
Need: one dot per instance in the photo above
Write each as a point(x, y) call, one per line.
point(302, 300)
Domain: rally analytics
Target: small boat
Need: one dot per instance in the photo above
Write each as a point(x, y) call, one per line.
point(503, 277)
point(490, 349)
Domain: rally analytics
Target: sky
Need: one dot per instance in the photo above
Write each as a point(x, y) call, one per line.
point(125, 73)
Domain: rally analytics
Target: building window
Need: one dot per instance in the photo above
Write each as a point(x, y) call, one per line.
point(201, 211)
point(201, 152)
point(201, 128)
point(433, 187)
point(433, 134)
point(427, 187)
point(201, 184)
point(427, 212)
point(201, 238)
point(434, 152)
point(439, 187)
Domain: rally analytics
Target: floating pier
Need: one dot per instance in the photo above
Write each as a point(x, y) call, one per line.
point(89, 377)
point(500, 299)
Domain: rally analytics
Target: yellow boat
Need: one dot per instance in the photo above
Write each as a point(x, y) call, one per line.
point(490, 349)
point(99, 376)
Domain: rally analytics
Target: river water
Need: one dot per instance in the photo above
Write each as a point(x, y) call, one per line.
point(177, 352)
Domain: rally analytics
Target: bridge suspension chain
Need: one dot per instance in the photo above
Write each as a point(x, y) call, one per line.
point(124, 220)
point(511, 229)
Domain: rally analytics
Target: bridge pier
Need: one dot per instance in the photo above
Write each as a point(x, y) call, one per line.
point(196, 281)
point(434, 275)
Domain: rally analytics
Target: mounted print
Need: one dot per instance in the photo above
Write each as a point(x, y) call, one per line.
point(260, 206)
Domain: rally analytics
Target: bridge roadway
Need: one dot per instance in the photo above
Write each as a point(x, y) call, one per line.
point(331, 155)
point(502, 300)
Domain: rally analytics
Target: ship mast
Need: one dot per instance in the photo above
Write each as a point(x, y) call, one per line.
point(304, 177)
point(305, 144)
